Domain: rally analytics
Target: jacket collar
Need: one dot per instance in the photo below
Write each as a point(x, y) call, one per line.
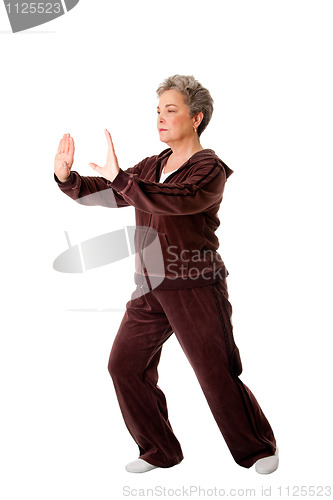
point(196, 158)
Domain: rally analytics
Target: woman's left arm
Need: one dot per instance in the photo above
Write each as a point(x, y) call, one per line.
point(200, 191)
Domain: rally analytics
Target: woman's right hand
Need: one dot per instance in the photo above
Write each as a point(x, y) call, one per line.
point(64, 158)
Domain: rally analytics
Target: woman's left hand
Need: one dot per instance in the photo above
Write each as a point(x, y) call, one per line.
point(111, 168)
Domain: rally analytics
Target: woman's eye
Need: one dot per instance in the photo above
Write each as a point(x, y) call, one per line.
point(169, 111)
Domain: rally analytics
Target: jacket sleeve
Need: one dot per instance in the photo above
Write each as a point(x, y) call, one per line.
point(202, 188)
point(95, 190)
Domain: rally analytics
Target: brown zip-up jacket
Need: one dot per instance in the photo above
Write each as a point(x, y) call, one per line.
point(181, 212)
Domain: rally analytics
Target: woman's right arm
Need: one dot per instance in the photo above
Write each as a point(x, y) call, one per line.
point(89, 190)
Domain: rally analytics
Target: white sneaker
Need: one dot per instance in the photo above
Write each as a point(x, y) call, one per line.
point(267, 465)
point(139, 465)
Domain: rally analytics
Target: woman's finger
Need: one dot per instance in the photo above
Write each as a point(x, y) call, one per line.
point(96, 167)
point(109, 139)
point(71, 146)
point(61, 146)
point(67, 143)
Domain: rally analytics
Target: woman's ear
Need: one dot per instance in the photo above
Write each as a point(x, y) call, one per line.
point(197, 119)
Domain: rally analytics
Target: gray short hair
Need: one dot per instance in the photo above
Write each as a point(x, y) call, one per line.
point(197, 98)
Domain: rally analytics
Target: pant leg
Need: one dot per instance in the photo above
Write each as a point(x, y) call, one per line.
point(201, 320)
point(133, 363)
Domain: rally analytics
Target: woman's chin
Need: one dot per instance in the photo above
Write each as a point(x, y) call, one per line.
point(163, 140)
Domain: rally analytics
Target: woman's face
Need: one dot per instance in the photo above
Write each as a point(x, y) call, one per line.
point(173, 120)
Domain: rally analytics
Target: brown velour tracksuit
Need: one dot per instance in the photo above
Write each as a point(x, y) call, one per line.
point(188, 297)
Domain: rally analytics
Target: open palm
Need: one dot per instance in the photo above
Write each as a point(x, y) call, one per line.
point(64, 158)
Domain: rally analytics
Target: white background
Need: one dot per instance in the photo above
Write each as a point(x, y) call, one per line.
point(268, 66)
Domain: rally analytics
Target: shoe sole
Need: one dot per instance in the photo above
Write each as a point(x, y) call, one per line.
point(271, 470)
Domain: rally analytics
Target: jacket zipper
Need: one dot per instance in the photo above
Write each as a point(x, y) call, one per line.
point(150, 215)
point(143, 244)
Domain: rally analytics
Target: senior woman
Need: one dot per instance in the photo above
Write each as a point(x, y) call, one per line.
point(177, 194)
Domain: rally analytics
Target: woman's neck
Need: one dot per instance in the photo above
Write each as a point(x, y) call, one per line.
point(184, 150)
point(180, 155)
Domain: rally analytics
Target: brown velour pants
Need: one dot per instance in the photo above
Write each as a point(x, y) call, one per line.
point(201, 320)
